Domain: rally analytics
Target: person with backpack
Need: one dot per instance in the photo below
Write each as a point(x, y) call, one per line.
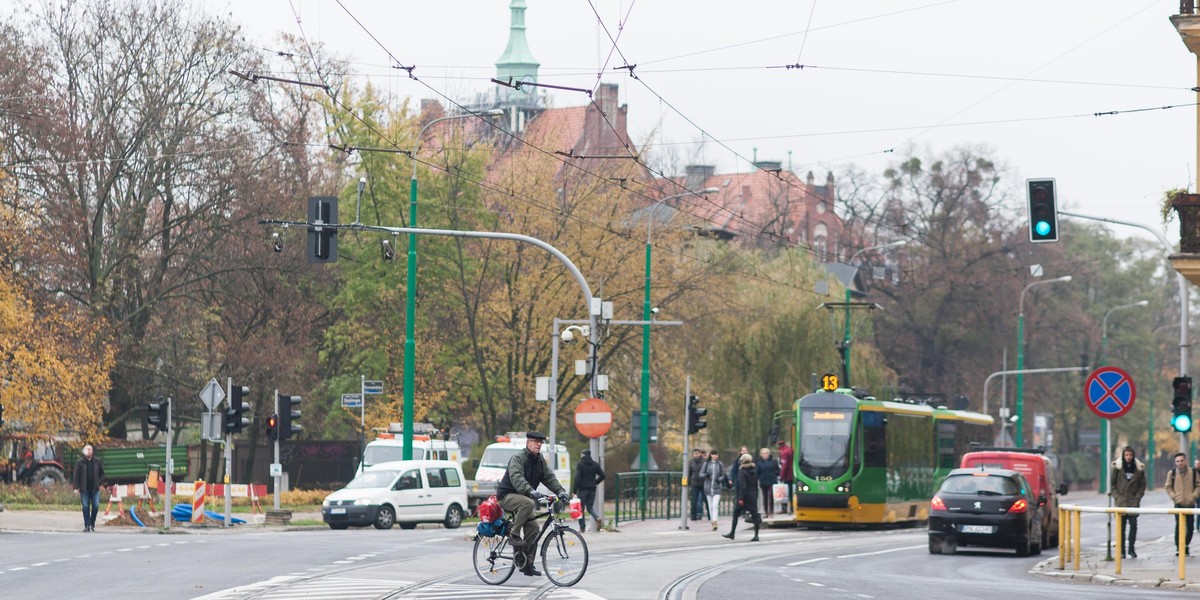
point(715, 480)
point(747, 496)
point(588, 475)
point(1183, 486)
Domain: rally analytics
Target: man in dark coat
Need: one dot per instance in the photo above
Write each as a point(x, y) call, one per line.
point(1127, 485)
point(747, 496)
point(87, 481)
point(695, 483)
point(517, 490)
point(588, 475)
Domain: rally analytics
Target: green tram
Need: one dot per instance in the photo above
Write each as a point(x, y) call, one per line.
point(868, 461)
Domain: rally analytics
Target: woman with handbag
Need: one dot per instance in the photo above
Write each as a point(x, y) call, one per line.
point(714, 480)
point(747, 496)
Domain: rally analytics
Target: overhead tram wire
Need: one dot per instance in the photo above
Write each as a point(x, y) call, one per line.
point(490, 187)
point(807, 28)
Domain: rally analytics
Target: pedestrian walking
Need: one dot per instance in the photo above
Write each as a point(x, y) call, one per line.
point(695, 485)
point(1127, 485)
point(747, 496)
point(715, 480)
point(1183, 486)
point(517, 492)
point(786, 474)
point(588, 475)
point(87, 480)
point(768, 475)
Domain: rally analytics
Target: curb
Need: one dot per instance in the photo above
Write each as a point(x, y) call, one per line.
point(1049, 568)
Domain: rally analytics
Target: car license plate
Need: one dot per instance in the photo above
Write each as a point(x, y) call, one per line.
point(337, 511)
point(976, 528)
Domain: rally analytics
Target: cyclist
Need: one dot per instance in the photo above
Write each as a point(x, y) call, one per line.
point(517, 490)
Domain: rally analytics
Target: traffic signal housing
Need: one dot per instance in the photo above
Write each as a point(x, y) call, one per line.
point(1043, 211)
point(237, 416)
point(273, 427)
point(156, 414)
point(1181, 405)
point(695, 412)
point(322, 241)
point(289, 414)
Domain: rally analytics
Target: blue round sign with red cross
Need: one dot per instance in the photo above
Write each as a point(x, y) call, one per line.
point(1110, 392)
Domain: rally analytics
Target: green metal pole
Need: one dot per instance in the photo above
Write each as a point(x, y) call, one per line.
point(644, 444)
point(846, 345)
point(409, 310)
point(1106, 453)
point(1020, 441)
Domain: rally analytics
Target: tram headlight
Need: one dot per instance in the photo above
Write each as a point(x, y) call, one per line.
point(804, 488)
point(844, 488)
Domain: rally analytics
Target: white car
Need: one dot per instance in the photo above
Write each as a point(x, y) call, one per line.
point(405, 492)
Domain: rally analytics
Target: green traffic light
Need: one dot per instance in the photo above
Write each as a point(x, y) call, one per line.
point(1182, 423)
point(1042, 228)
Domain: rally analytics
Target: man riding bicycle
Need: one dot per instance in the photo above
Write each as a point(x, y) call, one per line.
point(517, 490)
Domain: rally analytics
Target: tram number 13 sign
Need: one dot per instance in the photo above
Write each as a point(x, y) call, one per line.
point(1109, 392)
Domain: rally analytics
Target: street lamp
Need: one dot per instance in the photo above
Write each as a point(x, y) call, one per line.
point(846, 333)
point(410, 298)
point(1021, 357)
point(647, 312)
point(1104, 425)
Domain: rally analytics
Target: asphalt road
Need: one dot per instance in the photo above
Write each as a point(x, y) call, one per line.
point(644, 561)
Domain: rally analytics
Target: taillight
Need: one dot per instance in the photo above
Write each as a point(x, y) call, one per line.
point(1018, 507)
point(937, 504)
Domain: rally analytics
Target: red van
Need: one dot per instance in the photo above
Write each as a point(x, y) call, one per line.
point(1037, 469)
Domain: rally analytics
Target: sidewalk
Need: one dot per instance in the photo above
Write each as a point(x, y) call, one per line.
point(1155, 566)
point(65, 521)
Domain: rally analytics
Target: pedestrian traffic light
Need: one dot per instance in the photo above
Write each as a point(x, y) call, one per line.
point(322, 241)
point(289, 413)
point(1043, 211)
point(273, 427)
point(156, 414)
point(237, 416)
point(1, 415)
point(1181, 405)
point(695, 423)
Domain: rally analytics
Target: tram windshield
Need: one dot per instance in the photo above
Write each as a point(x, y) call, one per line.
point(824, 449)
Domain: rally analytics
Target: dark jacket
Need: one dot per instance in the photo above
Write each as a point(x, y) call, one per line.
point(587, 474)
point(747, 488)
point(83, 469)
point(694, 477)
point(768, 471)
point(1127, 491)
point(525, 471)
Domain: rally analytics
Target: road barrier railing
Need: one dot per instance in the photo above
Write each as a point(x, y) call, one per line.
point(1069, 516)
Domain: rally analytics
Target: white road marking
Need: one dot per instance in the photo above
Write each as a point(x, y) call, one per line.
point(809, 561)
point(882, 551)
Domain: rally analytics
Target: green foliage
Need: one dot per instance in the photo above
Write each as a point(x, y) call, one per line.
point(1079, 467)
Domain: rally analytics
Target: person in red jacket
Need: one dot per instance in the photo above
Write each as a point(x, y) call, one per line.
point(785, 472)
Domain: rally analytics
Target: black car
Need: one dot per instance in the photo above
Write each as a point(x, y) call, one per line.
point(985, 507)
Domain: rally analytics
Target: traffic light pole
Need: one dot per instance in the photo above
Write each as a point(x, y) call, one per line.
point(279, 477)
point(228, 463)
point(687, 426)
point(167, 480)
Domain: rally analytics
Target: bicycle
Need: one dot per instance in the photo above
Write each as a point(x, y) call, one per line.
point(564, 552)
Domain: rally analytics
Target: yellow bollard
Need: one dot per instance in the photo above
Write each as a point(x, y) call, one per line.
point(1181, 548)
point(1075, 537)
point(1063, 515)
point(1120, 541)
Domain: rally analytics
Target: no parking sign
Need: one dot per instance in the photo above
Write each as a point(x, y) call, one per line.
point(1110, 392)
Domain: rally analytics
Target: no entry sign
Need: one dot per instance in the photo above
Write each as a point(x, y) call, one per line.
point(1110, 392)
point(593, 418)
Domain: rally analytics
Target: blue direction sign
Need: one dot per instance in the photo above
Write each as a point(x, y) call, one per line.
point(1110, 392)
point(372, 387)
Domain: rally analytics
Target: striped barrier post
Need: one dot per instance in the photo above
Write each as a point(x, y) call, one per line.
point(198, 502)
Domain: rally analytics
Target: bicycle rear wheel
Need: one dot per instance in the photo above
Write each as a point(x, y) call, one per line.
point(564, 557)
point(491, 565)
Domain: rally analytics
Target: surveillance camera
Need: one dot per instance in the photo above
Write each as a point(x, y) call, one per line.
point(385, 247)
point(567, 336)
point(277, 242)
point(654, 311)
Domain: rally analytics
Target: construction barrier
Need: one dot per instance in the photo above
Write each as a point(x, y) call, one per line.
point(198, 502)
point(1069, 530)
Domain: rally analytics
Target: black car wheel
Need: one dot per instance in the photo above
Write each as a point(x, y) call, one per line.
point(1024, 546)
point(385, 517)
point(935, 546)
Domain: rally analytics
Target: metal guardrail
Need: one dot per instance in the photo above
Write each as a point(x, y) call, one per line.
point(1069, 530)
point(655, 495)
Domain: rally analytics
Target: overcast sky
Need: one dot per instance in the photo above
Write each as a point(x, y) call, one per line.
point(1023, 77)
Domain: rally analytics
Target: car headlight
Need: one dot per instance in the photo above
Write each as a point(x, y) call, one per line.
point(327, 502)
point(363, 502)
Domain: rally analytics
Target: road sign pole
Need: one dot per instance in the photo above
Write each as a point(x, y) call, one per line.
point(228, 465)
point(167, 479)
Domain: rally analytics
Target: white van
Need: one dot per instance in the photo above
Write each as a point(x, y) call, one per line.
point(495, 460)
point(405, 492)
point(388, 447)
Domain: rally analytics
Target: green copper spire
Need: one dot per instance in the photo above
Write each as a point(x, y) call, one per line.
point(517, 61)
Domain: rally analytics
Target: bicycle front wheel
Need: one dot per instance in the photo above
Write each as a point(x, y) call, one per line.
point(564, 557)
point(491, 565)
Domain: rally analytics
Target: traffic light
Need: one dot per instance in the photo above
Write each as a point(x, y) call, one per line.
point(695, 423)
point(1181, 405)
point(322, 241)
point(273, 427)
point(156, 414)
point(1043, 211)
point(237, 416)
point(289, 413)
point(1, 415)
